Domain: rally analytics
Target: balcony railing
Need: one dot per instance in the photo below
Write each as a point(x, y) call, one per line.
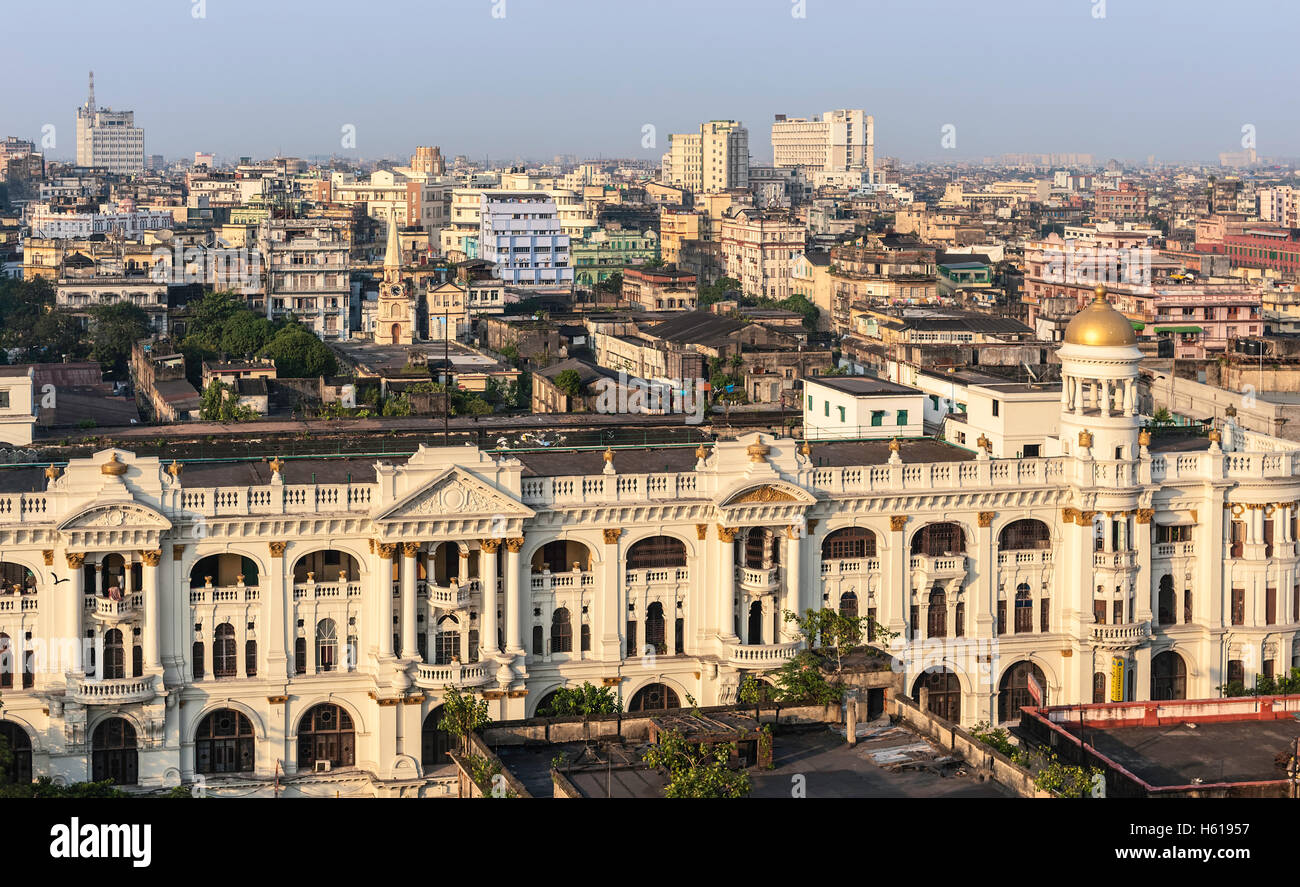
point(657, 576)
point(761, 655)
point(1114, 560)
point(1031, 557)
point(111, 691)
point(15, 603)
point(939, 564)
point(757, 579)
point(325, 590)
point(1124, 636)
point(110, 610)
point(452, 597)
point(224, 594)
point(1174, 549)
point(435, 677)
point(851, 567)
point(552, 581)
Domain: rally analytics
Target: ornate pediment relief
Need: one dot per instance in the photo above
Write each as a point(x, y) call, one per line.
point(769, 494)
point(454, 494)
point(128, 516)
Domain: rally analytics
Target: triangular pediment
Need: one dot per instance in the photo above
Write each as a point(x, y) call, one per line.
point(769, 493)
point(454, 494)
point(125, 515)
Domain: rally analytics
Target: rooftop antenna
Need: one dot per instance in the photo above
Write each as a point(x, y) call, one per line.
point(1025, 364)
point(90, 97)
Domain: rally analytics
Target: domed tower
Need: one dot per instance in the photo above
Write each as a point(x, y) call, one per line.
point(1099, 371)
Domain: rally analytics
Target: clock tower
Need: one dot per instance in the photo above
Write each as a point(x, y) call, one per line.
point(395, 318)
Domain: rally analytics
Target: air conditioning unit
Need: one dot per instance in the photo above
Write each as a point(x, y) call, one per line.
point(322, 766)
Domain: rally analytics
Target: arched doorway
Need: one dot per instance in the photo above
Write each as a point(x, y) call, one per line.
point(223, 743)
point(396, 333)
point(756, 623)
point(944, 693)
point(435, 742)
point(1013, 691)
point(655, 634)
point(1168, 676)
point(654, 697)
point(325, 733)
point(113, 753)
point(18, 771)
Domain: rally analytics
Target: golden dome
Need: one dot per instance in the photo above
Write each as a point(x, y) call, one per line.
point(113, 467)
point(1100, 324)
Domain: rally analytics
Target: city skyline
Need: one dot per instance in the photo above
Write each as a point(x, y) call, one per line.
point(296, 104)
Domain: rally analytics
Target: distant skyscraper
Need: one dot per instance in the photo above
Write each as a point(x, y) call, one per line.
point(841, 141)
point(108, 138)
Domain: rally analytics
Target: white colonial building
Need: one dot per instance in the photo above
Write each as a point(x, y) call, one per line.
point(232, 623)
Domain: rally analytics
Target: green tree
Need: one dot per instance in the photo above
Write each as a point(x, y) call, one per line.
point(219, 403)
point(397, 405)
point(569, 382)
point(584, 700)
point(245, 334)
point(115, 328)
point(298, 354)
point(462, 715)
point(696, 770)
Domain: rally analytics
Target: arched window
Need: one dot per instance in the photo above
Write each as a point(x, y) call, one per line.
point(849, 543)
point(325, 733)
point(1166, 605)
point(1013, 691)
point(327, 565)
point(446, 642)
point(435, 742)
point(1168, 676)
point(1099, 686)
point(656, 552)
point(6, 661)
point(224, 743)
point(937, 540)
point(327, 645)
point(113, 752)
point(16, 579)
point(1024, 608)
point(224, 663)
point(18, 770)
point(849, 605)
point(561, 631)
point(944, 693)
point(225, 570)
point(114, 656)
point(937, 614)
point(655, 636)
point(654, 697)
point(1027, 533)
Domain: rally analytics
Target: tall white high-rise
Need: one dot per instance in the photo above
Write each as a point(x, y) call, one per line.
point(841, 141)
point(108, 139)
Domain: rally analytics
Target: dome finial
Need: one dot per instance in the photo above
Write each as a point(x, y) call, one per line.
point(1100, 291)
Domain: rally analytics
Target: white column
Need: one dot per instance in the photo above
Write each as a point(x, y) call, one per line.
point(514, 599)
point(727, 586)
point(74, 606)
point(793, 579)
point(487, 578)
point(152, 608)
point(410, 649)
point(384, 591)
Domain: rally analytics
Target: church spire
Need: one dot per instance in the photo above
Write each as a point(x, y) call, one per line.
point(393, 254)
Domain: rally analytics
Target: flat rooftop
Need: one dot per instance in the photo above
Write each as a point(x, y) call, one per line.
point(1206, 752)
point(862, 386)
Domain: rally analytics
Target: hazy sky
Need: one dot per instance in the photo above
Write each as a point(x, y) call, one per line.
point(1174, 78)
